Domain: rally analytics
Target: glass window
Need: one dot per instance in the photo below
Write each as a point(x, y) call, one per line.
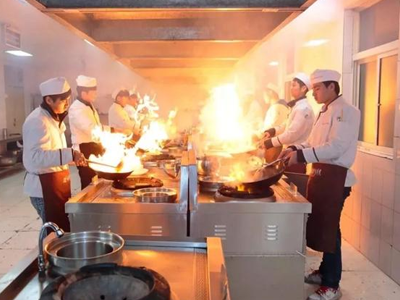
point(377, 97)
point(387, 100)
point(379, 24)
point(368, 101)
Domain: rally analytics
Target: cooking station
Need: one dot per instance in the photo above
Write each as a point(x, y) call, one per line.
point(263, 236)
point(183, 270)
point(106, 205)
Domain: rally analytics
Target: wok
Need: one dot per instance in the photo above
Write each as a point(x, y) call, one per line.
point(110, 175)
point(265, 178)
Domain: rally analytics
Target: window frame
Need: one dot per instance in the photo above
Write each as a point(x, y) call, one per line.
point(360, 57)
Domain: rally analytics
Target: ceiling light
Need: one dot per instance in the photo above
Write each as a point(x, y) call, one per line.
point(18, 53)
point(88, 42)
point(274, 63)
point(315, 43)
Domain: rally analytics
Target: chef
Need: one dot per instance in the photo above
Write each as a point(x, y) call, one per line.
point(46, 156)
point(276, 115)
point(117, 115)
point(278, 110)
point(331, 149)
point(131, 106)
point(299, 124)
point(83, 118)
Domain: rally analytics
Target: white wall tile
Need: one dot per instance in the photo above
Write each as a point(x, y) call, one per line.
point(388, 189)
point(385, 258)
point(396, 231)
point(397, 153)
point(366, 212)
point(369, 245)
point(396, 265)
point(376, 216)
point(397, 118)
point(377, 184)
point(366, 176)
point(397, 194)
point(356, 235)
point(357, 207)
point(387, 225)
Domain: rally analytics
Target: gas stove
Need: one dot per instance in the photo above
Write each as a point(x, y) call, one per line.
point(160, 211)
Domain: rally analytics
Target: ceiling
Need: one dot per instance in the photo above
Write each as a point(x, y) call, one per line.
point(175, 41)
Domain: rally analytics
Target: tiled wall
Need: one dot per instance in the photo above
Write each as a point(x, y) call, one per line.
point(371, 216)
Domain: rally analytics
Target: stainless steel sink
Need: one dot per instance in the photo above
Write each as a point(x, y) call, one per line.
point(75, 250)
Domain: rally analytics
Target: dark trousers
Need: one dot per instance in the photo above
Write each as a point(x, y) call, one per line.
point(331, 265)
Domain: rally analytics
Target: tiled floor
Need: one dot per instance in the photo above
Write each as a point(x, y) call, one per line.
point(19, 226)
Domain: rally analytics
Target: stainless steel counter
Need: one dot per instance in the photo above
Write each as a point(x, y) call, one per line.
point(97, 207)
point(194, 269)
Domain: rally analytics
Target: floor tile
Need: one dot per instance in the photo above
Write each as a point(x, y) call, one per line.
point(22, 241)
point(10, 257)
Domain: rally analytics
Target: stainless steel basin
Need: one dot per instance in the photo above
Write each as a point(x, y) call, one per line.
point(75, 250)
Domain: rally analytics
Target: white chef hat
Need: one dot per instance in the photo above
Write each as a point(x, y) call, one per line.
point(324, 75)
point(85, 81)
point(273, 87)
point(54, 86)
point(118, 90)
point(303, 77)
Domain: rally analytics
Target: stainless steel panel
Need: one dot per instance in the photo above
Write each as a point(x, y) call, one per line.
point(266, 277)
point(139, 224)
point(252, 234)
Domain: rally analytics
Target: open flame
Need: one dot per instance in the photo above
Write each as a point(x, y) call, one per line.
point(223, 122)
point(115, 153)
point(153, 136)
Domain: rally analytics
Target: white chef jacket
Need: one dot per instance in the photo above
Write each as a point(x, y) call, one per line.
point(276, 115)
point(334, 136)
point(45, 149)
point(298, 127)
point(119, 118)
point(83, 118)
point(131, 111)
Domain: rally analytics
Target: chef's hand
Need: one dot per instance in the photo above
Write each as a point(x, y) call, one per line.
point(266, 135)
point(285, 153)
point(291, 158)
point(79, 159)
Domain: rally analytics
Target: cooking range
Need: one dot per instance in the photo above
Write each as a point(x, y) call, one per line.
point(151, 205)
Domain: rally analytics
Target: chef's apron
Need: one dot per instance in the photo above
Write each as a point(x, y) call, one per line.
point(297, 168)
point(325, 192)
point(56, 189)
point(85, 173)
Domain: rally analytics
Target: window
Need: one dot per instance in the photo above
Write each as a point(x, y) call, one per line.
point(376, 73)
point(377, 96)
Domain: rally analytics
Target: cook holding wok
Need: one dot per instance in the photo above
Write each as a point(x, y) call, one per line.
point(331, 149)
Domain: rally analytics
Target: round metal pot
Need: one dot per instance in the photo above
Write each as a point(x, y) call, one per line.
point(75, 250)
point(210, 184)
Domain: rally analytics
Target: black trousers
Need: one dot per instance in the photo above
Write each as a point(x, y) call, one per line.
point(331, 265)
point(85, 173)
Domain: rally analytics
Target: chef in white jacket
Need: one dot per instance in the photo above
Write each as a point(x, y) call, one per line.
point(331, 149)
point(83, 119)
point(276, 115)
point(299, 124)
point(117, 115)
point(46, 155)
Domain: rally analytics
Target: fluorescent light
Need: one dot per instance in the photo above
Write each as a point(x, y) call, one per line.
point(315, 43)
point(18, 53)
point(88, 42)
point(274, 63)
